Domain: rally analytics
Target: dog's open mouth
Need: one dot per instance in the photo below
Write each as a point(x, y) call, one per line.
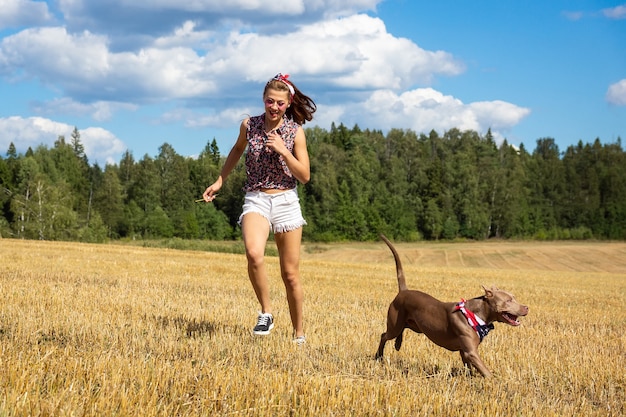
point(510, 318)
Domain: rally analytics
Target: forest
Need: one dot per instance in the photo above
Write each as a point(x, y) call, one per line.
point(458, 185)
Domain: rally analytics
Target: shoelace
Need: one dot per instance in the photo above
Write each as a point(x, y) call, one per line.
point(263, 319)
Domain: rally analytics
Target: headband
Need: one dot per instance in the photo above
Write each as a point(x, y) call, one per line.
point(283, 78)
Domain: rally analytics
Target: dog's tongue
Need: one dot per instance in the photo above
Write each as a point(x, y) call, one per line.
point(511, 319)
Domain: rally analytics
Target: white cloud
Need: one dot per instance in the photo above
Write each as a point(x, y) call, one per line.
point(84, 9)
point(184, 35)
point(615, 13)
point(358, 52)
point(227, 118)
point(347, 53)
point(424, 109)
point(83, 67)
point(497, 114)
point(289, 7)
point(53, 55)
point(99, 111)
point(618, 12)
point(208, 76)
point(574, 16)
point(100, 144)
point(351, 53)
point(616, 93)
point(15, 13)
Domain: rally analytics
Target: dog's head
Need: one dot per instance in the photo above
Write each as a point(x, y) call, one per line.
point(504, 306)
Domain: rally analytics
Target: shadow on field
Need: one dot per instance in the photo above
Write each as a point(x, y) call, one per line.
point(432, 371)
point(191, 326)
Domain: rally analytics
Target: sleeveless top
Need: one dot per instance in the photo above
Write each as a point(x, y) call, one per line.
point(264, 167)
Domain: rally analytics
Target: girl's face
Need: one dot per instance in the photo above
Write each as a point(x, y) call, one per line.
point(276, 103)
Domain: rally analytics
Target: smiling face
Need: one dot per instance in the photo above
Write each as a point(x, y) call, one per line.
point(276, 103)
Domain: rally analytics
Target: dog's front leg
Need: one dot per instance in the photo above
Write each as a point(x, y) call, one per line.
point(466, 363)
point(471, 358)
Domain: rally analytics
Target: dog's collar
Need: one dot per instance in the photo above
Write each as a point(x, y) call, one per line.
point(479, 326)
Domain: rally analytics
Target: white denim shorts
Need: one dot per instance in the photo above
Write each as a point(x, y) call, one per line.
point(282, 210)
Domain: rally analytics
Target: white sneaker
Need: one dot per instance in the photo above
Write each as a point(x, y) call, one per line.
point(300, 340)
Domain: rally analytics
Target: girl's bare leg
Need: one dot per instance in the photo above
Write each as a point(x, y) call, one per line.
point(288, 244)
point(255, 229)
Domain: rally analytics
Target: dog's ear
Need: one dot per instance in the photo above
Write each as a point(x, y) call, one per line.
point(489, 291)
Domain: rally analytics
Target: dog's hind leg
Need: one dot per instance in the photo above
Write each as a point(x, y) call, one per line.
point(385, 337)
point(395, 327)
point(398, 343)
point(381, 346)
point(395, 332)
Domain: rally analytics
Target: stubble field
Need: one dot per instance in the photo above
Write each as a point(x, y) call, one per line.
point(93, 330)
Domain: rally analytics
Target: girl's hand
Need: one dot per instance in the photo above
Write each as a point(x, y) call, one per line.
point(275, 142)
point(211, 192)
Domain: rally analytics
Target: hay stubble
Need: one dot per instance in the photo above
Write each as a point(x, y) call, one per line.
point(117, 330)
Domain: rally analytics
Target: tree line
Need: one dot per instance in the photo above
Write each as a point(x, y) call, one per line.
point(459, 185)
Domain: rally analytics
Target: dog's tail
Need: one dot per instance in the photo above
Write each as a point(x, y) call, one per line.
point(399, 271)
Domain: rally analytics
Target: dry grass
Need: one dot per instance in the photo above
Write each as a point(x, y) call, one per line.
point(115, 330)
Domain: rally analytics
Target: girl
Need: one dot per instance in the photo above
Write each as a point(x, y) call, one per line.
point(276, 160)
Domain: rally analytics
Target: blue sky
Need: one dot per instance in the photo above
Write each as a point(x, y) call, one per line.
point(134, 75)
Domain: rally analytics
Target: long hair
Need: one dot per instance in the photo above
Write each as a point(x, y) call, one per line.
point(301, 108)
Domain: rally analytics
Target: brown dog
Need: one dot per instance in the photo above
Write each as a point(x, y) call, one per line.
point(454, 326)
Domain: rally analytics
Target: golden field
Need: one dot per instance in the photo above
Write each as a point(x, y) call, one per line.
point(117, 330)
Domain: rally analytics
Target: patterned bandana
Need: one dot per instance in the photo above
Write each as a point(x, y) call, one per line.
point(283, 78)
point(479, 326)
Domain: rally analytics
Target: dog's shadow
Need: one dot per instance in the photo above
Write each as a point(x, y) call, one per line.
point(431, 371)
point(190, 326)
